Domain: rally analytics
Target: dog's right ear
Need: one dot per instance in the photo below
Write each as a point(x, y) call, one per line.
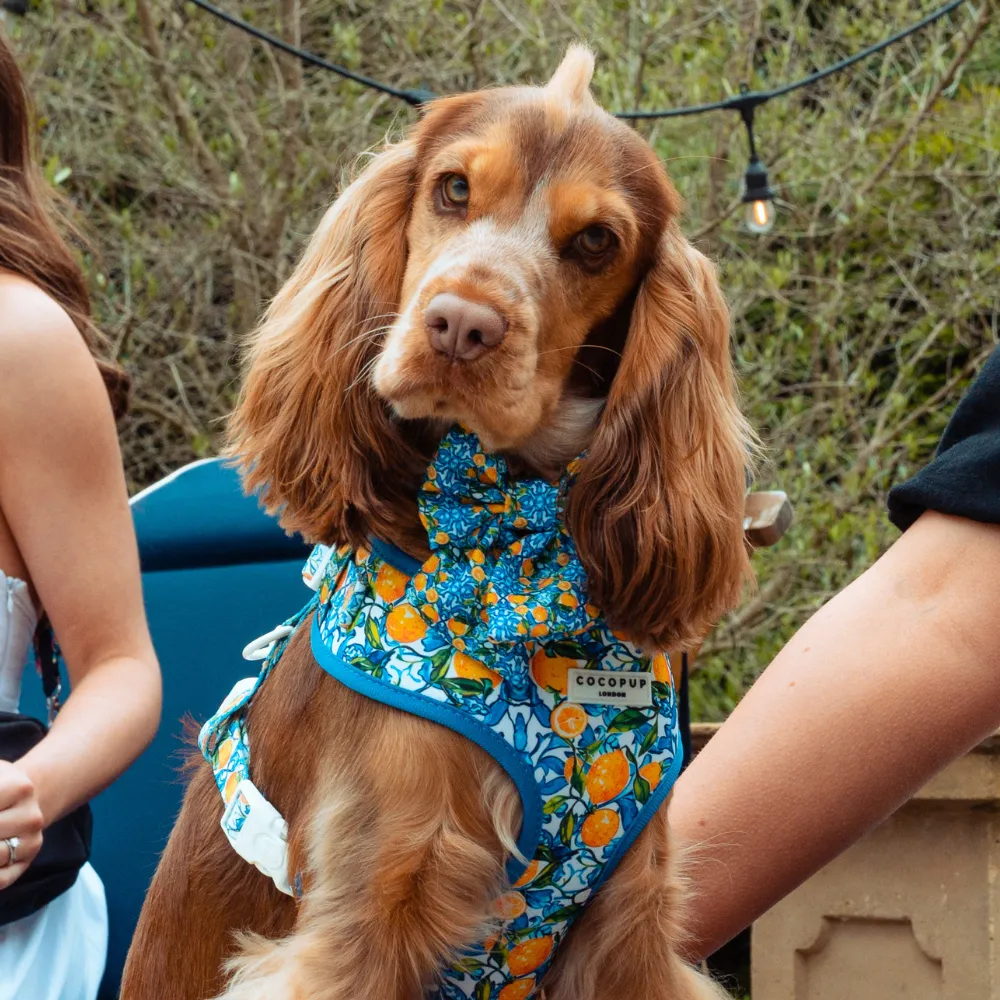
point(656, 511)
point(307, 432)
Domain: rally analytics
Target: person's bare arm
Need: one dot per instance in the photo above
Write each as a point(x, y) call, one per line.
point(63, 496)
point(888, 682)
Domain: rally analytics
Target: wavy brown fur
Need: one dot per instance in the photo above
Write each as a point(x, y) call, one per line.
point(308, 430)
point(656, 512)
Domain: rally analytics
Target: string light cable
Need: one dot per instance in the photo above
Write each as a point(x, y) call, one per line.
point(757, 195)
point(414, 97)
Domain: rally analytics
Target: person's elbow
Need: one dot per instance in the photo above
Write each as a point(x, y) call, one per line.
point(152, 707)
point(943, 572)
point(145, 711)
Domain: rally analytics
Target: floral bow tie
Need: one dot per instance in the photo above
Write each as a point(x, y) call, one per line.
point(502, 568)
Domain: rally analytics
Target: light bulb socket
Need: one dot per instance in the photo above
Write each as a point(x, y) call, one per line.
point(755, 184)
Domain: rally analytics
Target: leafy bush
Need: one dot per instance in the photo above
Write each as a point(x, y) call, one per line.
point(201, 160)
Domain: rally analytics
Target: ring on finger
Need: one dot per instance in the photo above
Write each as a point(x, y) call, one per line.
point(12, 843)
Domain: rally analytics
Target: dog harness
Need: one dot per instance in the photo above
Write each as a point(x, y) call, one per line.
point(493, 637)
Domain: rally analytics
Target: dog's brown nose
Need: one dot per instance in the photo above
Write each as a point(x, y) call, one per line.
point(462, 329)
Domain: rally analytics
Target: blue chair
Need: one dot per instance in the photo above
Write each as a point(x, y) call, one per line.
point(217, 572)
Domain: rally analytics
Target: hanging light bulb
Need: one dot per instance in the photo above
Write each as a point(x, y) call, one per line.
point(757, 194)
point(758, 198)
point(760, 217)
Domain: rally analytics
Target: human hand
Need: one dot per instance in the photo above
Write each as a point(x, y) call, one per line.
point(20, 817)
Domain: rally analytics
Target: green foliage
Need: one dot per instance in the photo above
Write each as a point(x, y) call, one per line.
point(857, 322)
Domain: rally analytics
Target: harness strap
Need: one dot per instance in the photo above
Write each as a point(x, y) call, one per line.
point(256, 830)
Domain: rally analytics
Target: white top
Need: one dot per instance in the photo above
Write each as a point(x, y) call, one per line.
point(17, 626)
point(59, 952)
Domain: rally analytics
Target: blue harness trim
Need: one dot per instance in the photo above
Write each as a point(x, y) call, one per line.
point(455, 719)
point(395, 557)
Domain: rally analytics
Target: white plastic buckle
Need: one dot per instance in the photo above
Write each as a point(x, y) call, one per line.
point(261, 647)
point(258, 833)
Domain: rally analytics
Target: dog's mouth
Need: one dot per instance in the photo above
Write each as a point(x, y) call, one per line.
point(501, 415)
point(459, 356)
point(547, 429)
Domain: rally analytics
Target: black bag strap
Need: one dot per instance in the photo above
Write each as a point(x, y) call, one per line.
point(684, 712)
point(47, 655)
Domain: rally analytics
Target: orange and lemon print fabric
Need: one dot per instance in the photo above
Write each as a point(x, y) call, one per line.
point(481, 638)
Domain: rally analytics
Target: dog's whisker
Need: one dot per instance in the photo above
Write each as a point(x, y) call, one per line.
point(639, 169)
point(368, 319)
point(362, 377)
point(366, 369)
point(582, 347)
point(367, 335)
point(592, 371)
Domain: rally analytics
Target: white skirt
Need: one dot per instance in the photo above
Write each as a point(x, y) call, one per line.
point(59, 952)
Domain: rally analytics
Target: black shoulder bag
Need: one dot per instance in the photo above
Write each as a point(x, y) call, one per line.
point(66, 843)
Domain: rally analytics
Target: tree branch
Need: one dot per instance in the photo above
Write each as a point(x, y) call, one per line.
point(978, 27)
point(186, 124)
point(291, 73)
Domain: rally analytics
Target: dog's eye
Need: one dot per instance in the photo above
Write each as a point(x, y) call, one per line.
point(455, 190)
point(595, 240)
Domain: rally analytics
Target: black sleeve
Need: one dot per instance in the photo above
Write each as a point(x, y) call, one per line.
point(964, 477)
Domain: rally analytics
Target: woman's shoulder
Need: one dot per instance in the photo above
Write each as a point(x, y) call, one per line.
point(40, 345)
point(32, 323)
point(48, 377)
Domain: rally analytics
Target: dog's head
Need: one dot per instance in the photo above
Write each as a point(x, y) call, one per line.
point(534, 216)
point(514, 264)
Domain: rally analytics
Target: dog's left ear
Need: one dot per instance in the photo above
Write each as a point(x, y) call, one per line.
point(308, 432)
point(657, 509)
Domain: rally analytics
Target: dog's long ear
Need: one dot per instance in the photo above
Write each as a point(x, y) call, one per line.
point(308, 431)
point(657, 510)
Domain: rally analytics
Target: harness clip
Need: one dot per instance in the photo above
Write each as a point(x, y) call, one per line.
point(258, 833)
point(261, 647)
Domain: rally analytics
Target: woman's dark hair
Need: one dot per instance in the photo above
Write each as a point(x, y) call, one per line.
point(31, 244)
